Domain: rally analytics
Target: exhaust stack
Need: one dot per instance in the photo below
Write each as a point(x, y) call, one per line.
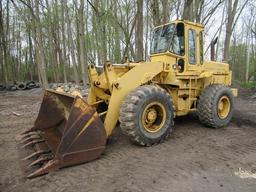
point(213, 55)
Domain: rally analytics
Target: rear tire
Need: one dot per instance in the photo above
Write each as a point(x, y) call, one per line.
point(216, 106)
point(146, 115)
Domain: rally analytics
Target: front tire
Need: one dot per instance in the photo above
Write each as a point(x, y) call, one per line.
point(146, 115)
point(216, 106)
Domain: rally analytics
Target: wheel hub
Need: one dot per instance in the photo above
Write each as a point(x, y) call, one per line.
point(154, 117)
point(223, 107)
point(151, 115)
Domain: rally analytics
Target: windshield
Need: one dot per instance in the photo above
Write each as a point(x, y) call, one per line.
point(162, 38)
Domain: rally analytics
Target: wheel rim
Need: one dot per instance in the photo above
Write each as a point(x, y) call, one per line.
point(223, 107)
point(153, 117)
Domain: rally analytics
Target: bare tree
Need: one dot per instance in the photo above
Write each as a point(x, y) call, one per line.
point(166, 10)
point(71, 45)
point(232, 11)
point(39, 44)
point(3, 43)
point(139, 31)
point(83, 54)
point(53, 40)
point(188, 10)
point(155, 12)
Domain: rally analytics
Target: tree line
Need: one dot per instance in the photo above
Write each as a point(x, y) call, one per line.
point(55, 40)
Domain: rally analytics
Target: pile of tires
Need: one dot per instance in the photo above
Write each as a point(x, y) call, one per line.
point(32, 85)
point(20, 86)
point(2, 88)
point(11, 88)
point(27, 85)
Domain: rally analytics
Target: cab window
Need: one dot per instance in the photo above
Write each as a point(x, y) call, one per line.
point(192, 46)
point(161, 39)
point(201, 41)
point(177, 44)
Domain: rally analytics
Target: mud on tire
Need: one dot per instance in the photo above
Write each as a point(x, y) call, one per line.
point(132, 115)
point(208, 106)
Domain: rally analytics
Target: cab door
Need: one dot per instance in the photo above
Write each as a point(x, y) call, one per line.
point(193, 59)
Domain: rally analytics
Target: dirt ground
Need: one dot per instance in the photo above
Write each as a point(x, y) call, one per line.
point(195, 158)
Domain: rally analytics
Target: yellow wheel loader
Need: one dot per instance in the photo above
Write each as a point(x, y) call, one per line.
point(144, 97)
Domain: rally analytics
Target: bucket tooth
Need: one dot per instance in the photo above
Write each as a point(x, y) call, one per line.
point(28, 134)
point(35, 154)
point(51, 165)
point(32, 137)
point(41, 159)
point(33, 142)
point(37, 173)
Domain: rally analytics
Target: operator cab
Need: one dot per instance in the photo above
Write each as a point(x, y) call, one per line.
point(168, 38)
point(169, 44)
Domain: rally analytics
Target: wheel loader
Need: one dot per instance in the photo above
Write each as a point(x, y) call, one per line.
point(143, 97)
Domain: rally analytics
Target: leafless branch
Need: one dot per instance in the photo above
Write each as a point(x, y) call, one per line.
point(240, 11)
point(211, 11)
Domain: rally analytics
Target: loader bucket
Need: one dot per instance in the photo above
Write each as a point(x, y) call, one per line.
point(66, 132)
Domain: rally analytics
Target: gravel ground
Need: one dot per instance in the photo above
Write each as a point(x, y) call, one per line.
point(195, 158)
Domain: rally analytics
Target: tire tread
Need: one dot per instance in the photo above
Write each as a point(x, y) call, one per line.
point(128, 113)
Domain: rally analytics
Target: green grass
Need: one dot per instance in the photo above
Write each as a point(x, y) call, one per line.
point(248, 84)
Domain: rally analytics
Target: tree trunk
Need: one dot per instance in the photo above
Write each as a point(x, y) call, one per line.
point(188, 10)
point(155, 12)
point(71, 47)
point(31, 58)
point(139, 31)
point(3, 46)
point(117, 47)
point(147, 32)
point(232, 8)
point(220, 31)
point(63, 30)
point(83, 54)
point(166, 9)
point(52, 53)
point(39, 42)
